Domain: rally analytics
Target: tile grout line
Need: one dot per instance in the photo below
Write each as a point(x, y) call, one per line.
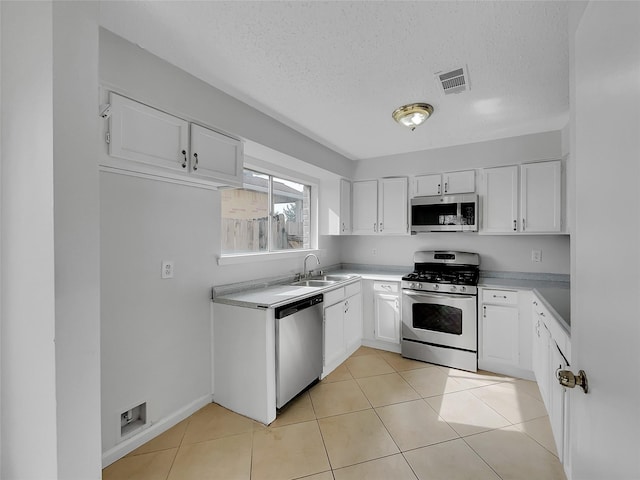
point(481, 457)
point(179, 446)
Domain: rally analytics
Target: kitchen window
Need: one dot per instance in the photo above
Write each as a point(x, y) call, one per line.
point(268, 214)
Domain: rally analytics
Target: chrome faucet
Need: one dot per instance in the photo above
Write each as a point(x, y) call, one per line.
point(305, 273)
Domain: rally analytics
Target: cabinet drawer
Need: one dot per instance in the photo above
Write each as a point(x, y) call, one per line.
point(385, 287)
point(500, 297)
point(333, 296)
point(352, 289)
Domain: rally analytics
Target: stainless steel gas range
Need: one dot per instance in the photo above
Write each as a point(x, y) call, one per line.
point(439, 305)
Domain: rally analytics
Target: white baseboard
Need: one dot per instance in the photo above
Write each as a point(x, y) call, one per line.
point(152, 431)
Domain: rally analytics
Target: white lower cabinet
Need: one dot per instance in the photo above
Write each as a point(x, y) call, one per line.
point(504, 336)
point(386, 307)
point(551, 352)
point(333, 333)
point(342, 325)
point(500, 334)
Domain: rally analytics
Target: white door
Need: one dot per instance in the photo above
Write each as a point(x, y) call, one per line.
point(393, 206)
point(365, 207)
point(540, 202)
point(387, 317)
point(500, 200)
point(333, 333)
point(500, 334)
point(460, 182)
point(427, 185)
point(345, 207)
point(353, 321)
point(147, 135)
point(215, 156)
point(605, 327)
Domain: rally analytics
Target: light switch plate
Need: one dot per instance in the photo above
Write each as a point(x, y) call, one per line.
point(167, 269)
point(536, 256)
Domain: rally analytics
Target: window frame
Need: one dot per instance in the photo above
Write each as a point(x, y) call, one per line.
point(247, 257)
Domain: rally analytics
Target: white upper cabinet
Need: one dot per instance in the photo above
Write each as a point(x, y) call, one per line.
point(380, 207)
point(459, 182)
point(428, 185)
point(215, 156)
point(500, 200)
point(147, 135)
point(156, 139)
point(445, 183)
point(540, 197)
point(392, 206)
point(345, 207)
point(522, 199)
point(365, 207)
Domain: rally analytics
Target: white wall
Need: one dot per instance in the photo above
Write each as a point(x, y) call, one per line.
point(77, 238)
point(50, 322)
point(506, 151)
point(497, 252)
point(503, 253)
point(28, 320)
point(155, 333)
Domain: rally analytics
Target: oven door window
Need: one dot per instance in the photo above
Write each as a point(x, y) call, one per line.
point(437, 318)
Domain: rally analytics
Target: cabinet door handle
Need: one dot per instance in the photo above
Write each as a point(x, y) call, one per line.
point(484, 311)
point(446, 187)
point(375, 227)
point(535, 303)
point(439, 191)
point(523, 225)
point(184, 163)
point(381, 226)
point(500, 296)
point(195, 165)
point(515, 225)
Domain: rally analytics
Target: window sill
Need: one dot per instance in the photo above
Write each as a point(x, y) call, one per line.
point(263, 257)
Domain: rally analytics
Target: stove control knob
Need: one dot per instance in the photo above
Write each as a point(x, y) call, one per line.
point(463, 289)
point(419, 286)
point(453, 288)
point(412, 285)
point(436, 287)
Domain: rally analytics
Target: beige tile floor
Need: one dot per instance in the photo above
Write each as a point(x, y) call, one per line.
point(377, 416)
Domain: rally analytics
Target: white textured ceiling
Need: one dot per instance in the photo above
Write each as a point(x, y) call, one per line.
point(336, 70)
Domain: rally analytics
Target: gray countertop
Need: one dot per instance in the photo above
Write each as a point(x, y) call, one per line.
point(556, 295)
point(553, 290)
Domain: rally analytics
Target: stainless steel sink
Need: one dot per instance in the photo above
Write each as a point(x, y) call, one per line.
point(314, 283)
point(332, 278)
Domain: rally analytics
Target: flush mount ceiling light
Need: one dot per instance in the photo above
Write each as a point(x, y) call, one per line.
point(413, 114)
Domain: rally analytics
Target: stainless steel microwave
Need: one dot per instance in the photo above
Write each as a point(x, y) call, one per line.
point(449, 213)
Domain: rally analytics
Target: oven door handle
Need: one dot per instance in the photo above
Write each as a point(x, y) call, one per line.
point(412, 293)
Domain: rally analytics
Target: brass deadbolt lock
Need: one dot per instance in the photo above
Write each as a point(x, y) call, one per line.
point(569, 380)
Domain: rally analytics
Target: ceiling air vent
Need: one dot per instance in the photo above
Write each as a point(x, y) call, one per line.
point(455, 81)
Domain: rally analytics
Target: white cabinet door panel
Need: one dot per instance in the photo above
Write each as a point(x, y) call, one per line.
point(540, 197)
point(460, 182)
point(428, 185)
point(500, 334)
point(215, 156)
point(393, 214)
point(144, 134)
point(365, 207)
point(345, 207)
point(353, 321)
point(500, 201)
point(333, 333)
point(387, 317)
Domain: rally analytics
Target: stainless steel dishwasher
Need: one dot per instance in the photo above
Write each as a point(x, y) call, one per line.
point(298, 347)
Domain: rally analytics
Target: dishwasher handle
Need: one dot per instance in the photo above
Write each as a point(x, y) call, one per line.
point(291, 308)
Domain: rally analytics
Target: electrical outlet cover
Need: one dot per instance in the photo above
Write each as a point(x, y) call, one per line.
point(167, 269)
